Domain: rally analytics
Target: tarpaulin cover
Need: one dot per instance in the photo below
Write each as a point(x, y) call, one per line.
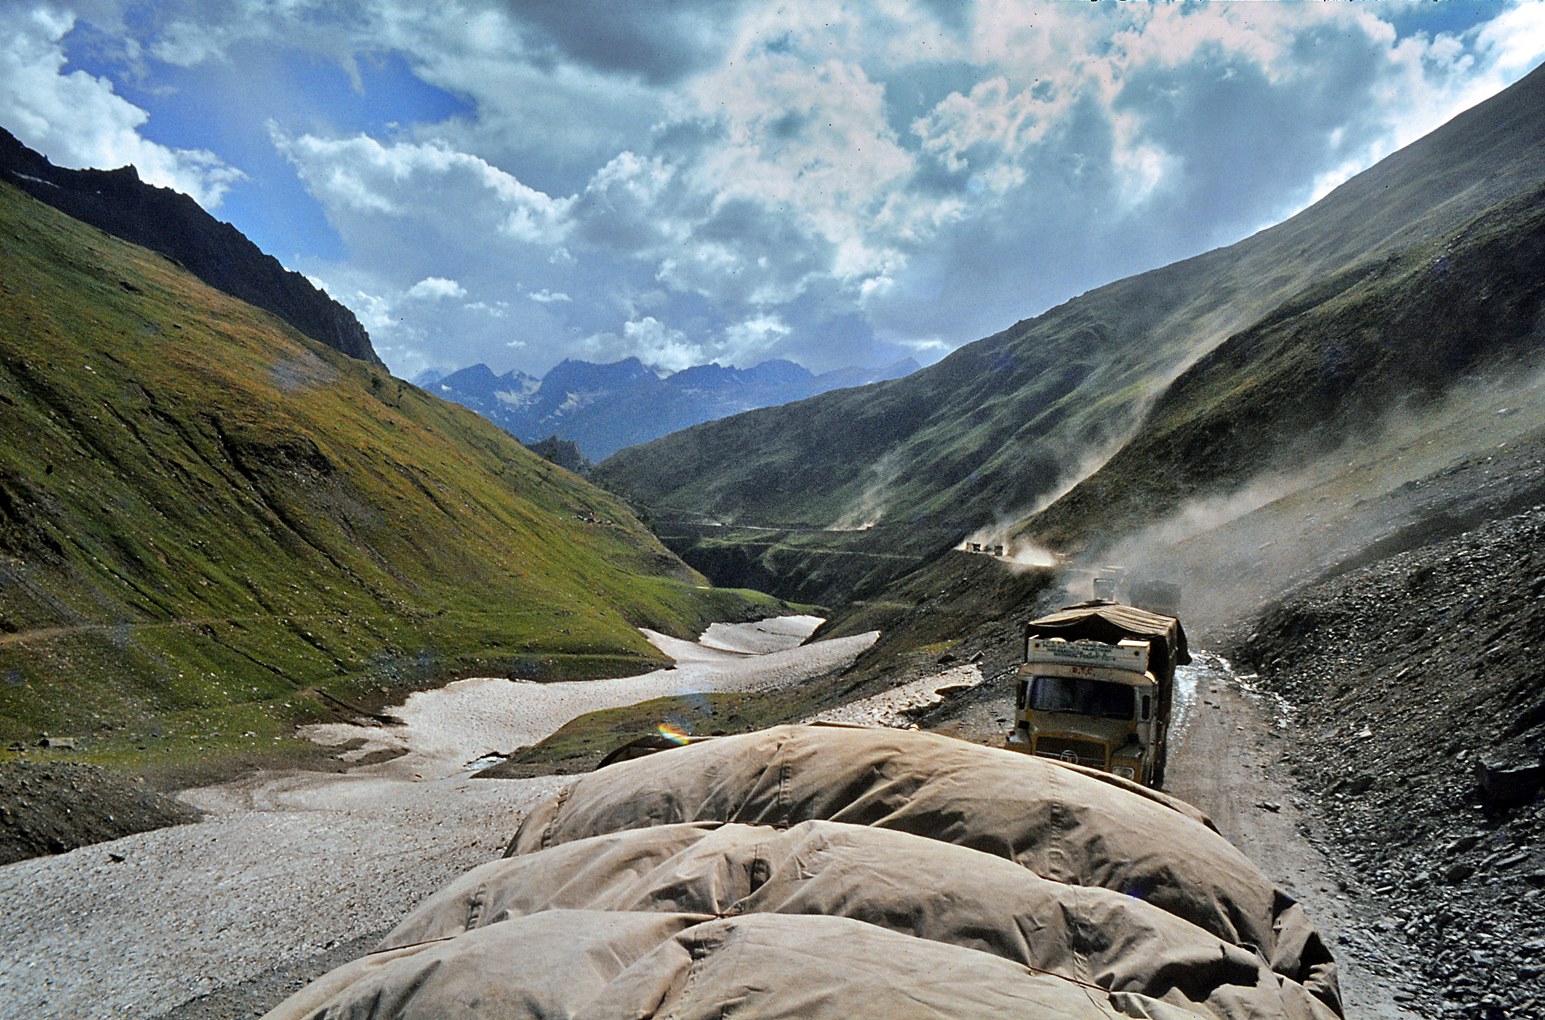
point(910, 884)
point(824, 871)
point(596, 965)
point(1101, 620)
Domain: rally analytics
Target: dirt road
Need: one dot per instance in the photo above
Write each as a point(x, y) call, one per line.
point(1231, 756)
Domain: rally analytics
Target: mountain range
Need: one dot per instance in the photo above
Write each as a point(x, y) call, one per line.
point(606, 407)
point(843, 492)
point(117, 202)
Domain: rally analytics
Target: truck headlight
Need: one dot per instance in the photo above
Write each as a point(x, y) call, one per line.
point(1125, 771)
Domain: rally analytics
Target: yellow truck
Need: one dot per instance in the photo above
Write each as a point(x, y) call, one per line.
point(1097, 687)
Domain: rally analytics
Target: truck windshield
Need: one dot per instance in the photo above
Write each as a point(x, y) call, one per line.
point(1084, 697)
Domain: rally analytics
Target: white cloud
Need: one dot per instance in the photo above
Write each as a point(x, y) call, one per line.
point(1514, 41)
point(655, 344)
point(810, 143)
point(435, 288)
point(708, 180)
point(429, 182)
point(753, 340)
point(78, 120)
point(659, 346)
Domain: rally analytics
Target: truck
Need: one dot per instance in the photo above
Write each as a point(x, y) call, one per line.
point(1156, 596)
point(1097, 687)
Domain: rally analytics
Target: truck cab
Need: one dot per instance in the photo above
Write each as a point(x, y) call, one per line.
point(1096, 688)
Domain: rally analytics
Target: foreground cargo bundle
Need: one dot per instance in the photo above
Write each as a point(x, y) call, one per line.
point(831, 871)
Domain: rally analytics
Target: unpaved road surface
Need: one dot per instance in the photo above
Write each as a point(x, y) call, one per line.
point(293, 873)
point(1231, 754)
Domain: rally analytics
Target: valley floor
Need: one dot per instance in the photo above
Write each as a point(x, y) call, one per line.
point(293, 873)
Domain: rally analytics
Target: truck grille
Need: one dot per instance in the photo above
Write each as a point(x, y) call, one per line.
point(1080, 752)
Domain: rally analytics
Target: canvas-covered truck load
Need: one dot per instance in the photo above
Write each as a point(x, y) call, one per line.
point(817, 871)
point(1097, 687)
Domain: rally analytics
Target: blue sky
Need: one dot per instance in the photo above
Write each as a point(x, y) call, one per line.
point(519, 181)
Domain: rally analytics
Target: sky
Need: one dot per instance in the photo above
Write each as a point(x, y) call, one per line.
point(515, 182)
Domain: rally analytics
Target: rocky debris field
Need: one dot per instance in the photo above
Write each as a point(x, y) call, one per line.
point(1418, 693)
point(51, 807)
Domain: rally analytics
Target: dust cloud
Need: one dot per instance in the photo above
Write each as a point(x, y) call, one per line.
point(870, 506)
point(1427, 466)
point(998, 542)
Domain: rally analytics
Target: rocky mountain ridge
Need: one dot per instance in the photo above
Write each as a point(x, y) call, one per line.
point(117, 202)
point(607, 407)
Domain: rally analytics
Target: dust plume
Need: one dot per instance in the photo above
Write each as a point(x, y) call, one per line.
point(869, 508)
point(999, 542)
point(1431, 468)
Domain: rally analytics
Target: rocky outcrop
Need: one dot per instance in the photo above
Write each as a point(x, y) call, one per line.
point(172, 224)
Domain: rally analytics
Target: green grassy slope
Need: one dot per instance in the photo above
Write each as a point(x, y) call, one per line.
point(1004, 423)
point(212, 526)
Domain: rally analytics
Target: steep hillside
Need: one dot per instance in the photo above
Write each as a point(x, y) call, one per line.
point(1419, 722)
point(1329, 369)
point(212, 527)
point(1397, 404)
point(1007, 422)
point(165, 221)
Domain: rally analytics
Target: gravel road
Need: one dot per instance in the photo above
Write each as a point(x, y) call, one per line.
point(1230, 757)
point(291, 873)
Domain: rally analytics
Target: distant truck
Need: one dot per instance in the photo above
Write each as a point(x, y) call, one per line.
point(1108, 581)
point(1162, 597)
point(1097, 687)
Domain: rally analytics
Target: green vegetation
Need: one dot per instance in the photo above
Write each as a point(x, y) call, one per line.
point(808, 564)
point(213, 528)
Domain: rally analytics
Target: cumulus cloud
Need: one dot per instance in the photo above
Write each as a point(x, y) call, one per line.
point(436, 288)
point(79, 120)
point(710, 180)
point(754, 339)
point(1513, 41)
point(426, 182)
point(649, 340)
